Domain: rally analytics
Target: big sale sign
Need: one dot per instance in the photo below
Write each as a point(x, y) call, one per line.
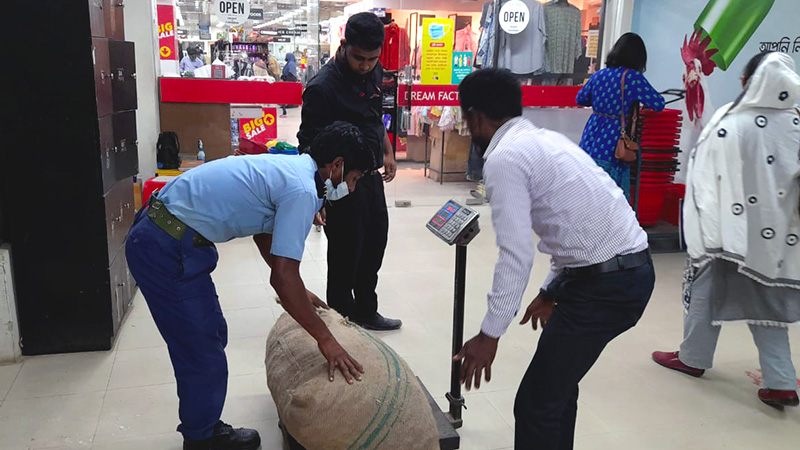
point(166, 32)
point(261, 129)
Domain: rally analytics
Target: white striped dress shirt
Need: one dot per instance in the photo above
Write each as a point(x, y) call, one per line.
point(538, 180)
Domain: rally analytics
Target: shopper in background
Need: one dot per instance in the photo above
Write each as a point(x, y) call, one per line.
point(289, 75)
point(349, 89)
point(273, 67)
point(601, 273)
point(193, 60)
point(171, 253)
point(325, 58)
point(260, 69)
point(742, 225)
point(604, 93)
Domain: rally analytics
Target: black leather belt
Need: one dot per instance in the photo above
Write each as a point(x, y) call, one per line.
point(617, 263)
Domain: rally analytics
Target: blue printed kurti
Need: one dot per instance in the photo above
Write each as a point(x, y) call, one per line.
point(603, 93)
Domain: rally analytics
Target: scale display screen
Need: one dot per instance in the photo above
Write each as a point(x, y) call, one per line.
point(454, 221)
point(445, 214)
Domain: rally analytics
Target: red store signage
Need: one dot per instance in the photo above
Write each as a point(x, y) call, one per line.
point(167, 42)
point(532, 96)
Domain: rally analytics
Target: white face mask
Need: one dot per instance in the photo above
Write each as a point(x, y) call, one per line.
point(339, 192)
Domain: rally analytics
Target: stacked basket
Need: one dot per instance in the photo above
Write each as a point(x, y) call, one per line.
point(660, 141)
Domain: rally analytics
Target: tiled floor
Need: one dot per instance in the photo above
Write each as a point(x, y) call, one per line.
point(125, 398)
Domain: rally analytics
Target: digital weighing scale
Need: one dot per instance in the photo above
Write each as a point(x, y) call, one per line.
point(457, 225)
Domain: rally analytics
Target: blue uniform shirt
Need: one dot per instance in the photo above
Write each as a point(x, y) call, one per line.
point(187, 65)
point(241, 196)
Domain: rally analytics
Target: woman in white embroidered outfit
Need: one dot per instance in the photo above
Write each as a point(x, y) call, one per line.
point(742, 225)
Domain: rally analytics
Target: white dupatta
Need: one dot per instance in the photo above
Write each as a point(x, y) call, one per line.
point(743, 180)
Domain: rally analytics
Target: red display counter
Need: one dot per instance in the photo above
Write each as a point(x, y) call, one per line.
point(207, 90)
point(200, 108)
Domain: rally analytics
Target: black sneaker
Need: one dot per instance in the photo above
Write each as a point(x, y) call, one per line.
point(226, 438)
point(378, 323)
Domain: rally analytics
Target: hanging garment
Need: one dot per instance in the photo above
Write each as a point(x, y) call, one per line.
point(524, 53)
point(563, 25)
point(485, 56)
point(390, 52)
point(743, 180)
point(405, 49)
point(465, 40)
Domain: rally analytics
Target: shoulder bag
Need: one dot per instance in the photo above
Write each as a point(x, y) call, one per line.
point(627, 149)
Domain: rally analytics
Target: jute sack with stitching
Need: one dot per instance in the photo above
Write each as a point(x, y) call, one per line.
point(387, 410)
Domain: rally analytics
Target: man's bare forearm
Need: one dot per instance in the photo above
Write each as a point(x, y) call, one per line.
point(286, 281)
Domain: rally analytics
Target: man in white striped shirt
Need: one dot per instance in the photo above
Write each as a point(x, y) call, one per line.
point(602, 274)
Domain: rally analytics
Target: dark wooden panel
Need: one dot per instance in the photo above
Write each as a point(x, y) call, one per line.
point(96, 17)
point(113, 12)
point(107, 152)
point(126, 143)
point(193, 121)
point(102, 76)
point(123, 68)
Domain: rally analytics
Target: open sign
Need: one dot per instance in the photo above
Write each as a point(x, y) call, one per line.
point(514, 17)
point(232, 12)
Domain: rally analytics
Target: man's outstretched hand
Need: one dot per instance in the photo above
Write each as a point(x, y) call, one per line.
point(476, 358)
point(338, 358)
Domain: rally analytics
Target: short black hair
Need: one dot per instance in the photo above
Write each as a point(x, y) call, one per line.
point(629, 52)
point(365, 31)
point(752, 65)
point(494, 91)
point(342, 139)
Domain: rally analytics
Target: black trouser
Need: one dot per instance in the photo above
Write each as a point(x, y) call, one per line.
point(591, 310)
point(357, 230)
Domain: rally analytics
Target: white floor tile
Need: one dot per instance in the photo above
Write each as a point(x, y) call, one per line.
point(139, 331)
point(247, 296)
point(246, 356)
point(249, 323)
point(76, 373)
point(248, 400)
point(166, 441)
point(136, 412)
point(141, 367)
point(60, 421)
point(8, 373)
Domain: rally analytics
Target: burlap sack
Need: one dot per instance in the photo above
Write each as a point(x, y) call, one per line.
point(387, 410)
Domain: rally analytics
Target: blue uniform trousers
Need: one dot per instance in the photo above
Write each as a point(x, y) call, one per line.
point(175, 279)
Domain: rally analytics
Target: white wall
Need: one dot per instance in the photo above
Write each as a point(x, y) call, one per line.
point(140, 28)
point(618, 21)
point(9, 325)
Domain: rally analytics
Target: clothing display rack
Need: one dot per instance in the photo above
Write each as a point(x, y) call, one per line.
point(389, 90)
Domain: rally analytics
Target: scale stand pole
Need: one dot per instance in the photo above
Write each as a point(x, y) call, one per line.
point(454, 396)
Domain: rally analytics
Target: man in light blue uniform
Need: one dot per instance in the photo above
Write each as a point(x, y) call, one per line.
point(171, 254)
point(193, 60)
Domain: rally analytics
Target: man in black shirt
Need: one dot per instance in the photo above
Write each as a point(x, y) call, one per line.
point(349, 89)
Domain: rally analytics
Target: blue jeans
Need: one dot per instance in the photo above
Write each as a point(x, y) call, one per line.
point(591, 311)
point(175, 279)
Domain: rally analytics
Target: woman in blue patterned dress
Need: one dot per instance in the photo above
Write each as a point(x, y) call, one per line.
point(603, 92)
